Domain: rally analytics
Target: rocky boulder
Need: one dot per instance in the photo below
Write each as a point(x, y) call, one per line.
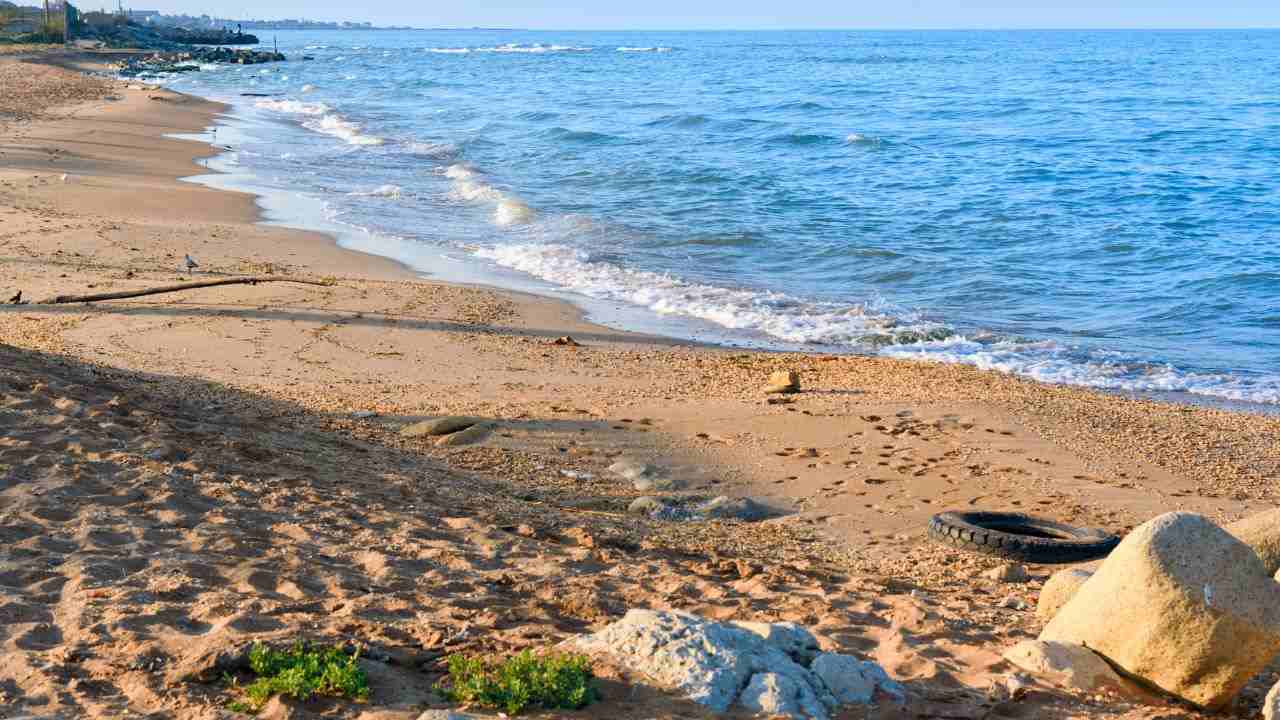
point(783, 381)
point(756, 666)
point(1271, 705)
point(1074, 667)
point(1262, 533)
point(1058, 589)
point(1180, 604)
point(439, 426)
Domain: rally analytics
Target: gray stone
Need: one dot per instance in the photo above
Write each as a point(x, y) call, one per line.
point(439, 426)
point(446, 715)
point(706, 661)
point(885, 684)
point(796, 641)
point(653, 482)
point(774, 694)
point(630, 469)
point(727, 508)
point(650, 506)
point(843, 676)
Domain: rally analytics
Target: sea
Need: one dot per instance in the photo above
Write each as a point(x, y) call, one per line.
point(1098, 209)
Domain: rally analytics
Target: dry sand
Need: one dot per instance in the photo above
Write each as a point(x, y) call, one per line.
point(182, 473)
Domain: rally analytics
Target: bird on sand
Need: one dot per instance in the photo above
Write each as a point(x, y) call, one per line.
point(16, 299)
point(191, 264)
point(64, 177)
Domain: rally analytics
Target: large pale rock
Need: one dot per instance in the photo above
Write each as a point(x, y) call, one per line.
point(1181, 604)
point(471, 435)
point(1058, 589)
point(1262, 533)
point(1271, 705)
point(1075, 667)
point(711, 662)
point(795, 640)
point(783, 381)
point(844, 677)
point(773, 694)
point(439, 426)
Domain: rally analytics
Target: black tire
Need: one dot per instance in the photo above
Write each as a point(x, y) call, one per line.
point(1015, 536)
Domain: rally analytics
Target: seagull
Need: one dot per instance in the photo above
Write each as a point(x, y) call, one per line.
point(191, 264)
point(16, 299)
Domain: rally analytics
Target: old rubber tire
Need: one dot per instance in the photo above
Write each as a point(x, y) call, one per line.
point(1024, 538)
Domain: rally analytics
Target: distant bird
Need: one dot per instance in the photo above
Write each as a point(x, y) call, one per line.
point(64, 177)
point(191, 264)
point(16, 299)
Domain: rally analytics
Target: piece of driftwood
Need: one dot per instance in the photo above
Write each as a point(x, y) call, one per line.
point(65, 299)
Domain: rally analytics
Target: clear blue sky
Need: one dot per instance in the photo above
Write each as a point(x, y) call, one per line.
point(707, 14)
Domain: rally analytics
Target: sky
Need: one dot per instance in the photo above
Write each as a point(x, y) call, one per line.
point(751, 14)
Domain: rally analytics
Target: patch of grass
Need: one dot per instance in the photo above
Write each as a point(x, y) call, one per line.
point(301, 672)
point(551, 682)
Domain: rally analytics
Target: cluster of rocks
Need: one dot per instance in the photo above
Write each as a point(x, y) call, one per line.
point(190, 60)
point(1181, 605)
point(450, 431)
point(772, 669)
point(646, 477)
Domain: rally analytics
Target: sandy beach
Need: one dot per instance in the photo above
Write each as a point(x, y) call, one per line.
point(183, 473)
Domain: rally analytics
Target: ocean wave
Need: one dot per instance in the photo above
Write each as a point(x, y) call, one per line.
point(774, 314)
point(1053, 363)
point(865, 328)
point(469, 185)
point(645, 49)
point(339, 127)
point(439, 151)
point(323, 120)
point(385, 191)
point(308, 88)
point(533, 48)
point(448, 51)
point(293, 107)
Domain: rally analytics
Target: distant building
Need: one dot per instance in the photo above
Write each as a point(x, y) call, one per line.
point(143, 15)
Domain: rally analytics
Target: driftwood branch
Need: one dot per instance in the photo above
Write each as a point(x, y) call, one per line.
point(65, 299)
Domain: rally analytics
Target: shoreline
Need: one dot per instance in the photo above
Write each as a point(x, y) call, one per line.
point(618, 317)
point(1142, 379)
point(257, 484)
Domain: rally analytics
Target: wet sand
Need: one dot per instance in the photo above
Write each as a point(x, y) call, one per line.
point(192, 470)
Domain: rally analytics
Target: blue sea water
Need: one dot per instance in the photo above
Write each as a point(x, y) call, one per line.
point(1091, 208)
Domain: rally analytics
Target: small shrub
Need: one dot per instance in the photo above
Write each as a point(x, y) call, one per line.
point(300, 672)
point(550, 682)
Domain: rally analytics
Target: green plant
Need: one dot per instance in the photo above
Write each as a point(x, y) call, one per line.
point(300, 672)
point(553, 682)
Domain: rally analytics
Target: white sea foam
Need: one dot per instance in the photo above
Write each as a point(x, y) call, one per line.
point(775, 314)
point(293, 107)
point(308, 88)
point(340, 127)
point(322, 119)
point(449, 51)
point(440, 151)
point(386, 191)
point(864, 327)
point(1051, 362)
point(469, 185)
point(534, 48)
point(317, 47)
